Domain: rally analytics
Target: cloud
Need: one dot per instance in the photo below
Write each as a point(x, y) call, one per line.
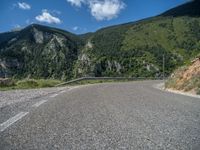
point(106, 10)
point(79, 29)
point(17, 26)
point(24, 6)
point(76, 2)
point(47, 18)
point(101, 9)
point(75, 28)
point(56, 12)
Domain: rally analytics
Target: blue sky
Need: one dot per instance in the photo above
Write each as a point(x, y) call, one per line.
point(78, 16)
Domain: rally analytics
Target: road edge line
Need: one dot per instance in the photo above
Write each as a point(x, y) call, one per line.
point(12, 120)
point(160, 86)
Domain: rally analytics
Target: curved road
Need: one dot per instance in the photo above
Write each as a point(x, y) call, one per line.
point(130, 115)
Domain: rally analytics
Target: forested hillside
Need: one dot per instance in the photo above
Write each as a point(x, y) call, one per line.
point(133, 49)
point(136, 49)
point(38, 51)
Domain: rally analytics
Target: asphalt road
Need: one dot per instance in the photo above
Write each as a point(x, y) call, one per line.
point(107, 116)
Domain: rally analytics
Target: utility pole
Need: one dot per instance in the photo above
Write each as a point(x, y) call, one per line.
point(163, 66)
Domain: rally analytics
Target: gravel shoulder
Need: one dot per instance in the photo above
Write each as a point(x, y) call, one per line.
point(16, 96)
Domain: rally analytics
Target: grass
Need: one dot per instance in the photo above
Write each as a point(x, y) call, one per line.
point(83, 82)
point(43, 83)
point(93, 81)
point(30, 84)
point(170, 83)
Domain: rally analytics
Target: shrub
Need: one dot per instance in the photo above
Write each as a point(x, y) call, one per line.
point(198, 91)
point(29, 83)
point(47, 83)
point(7, 82)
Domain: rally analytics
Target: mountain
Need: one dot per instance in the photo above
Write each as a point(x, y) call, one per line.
point(39, 51)
point(137, 48)
point(131, 49)
point(188, 9)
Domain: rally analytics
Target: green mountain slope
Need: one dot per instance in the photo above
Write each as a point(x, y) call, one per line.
point(39, 51)
point(188, 9)
point(132, 49)
point(136, 49)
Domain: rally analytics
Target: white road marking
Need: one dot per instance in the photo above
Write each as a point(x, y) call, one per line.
point(62, 92)
point(12, 120)
point(39, 103)
point(72, 88)
point(54, 95)
point(20, 115)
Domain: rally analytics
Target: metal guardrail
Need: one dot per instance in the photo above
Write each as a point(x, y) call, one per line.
point(108, 78)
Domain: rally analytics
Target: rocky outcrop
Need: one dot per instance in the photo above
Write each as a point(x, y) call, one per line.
point(114, 65)
point(38, 36)
point(186, 78)
point(6, 67)
point(6, 82)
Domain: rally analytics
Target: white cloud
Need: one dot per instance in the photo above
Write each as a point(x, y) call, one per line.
point(79, 29)
point(56, 12)
point(75, 28)
point(101, 9)
point(107, 9)
point(17, 26)
point(76, 2)
point(24, 6)
point(47, 18)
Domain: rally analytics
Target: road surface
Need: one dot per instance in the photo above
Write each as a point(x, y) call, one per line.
point(132, 115)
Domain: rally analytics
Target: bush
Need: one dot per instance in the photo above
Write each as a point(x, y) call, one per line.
point(6, 82)
point(30, 83)
point(198, 91)
point(48, 83)
point(9, 84)
point(170, 83)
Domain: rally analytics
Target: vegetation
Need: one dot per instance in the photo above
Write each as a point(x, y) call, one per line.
point(134, 49)
point(186, 78)
point(29, 84)
point(94, 81)
point(90, 82)
point(40, 52)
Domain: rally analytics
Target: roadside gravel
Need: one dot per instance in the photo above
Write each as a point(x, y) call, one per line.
point(161, 86)
point(15, 96)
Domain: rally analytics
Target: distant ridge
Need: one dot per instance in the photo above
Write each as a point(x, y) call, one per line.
point(191, 8)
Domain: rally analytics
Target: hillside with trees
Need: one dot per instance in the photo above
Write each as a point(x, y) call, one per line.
point(133, 49)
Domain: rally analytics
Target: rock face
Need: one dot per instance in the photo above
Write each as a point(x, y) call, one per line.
point(38, 36)
point(192, 71)
point(186, 78)
point(7, 65)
